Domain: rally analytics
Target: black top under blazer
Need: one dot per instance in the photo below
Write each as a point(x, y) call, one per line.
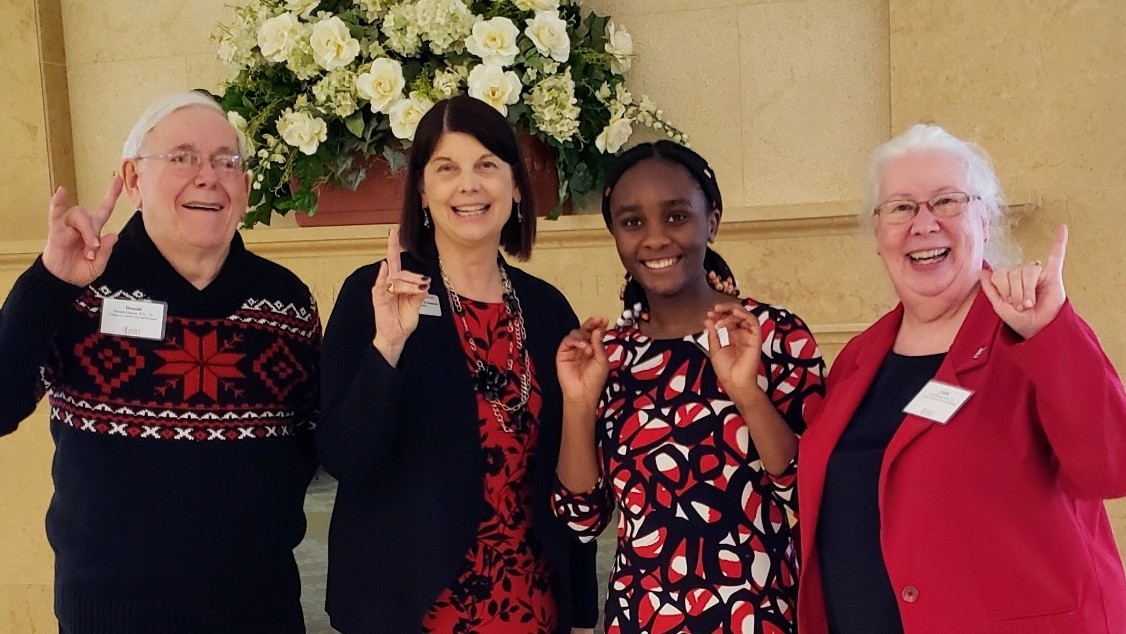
point(405, 447)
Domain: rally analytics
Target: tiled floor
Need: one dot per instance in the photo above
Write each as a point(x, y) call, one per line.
point(312, 555)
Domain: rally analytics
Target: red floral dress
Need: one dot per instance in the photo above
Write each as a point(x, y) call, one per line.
point(706, 537)
point(505, 584)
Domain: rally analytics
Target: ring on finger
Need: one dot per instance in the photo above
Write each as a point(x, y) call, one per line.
point(391, 288)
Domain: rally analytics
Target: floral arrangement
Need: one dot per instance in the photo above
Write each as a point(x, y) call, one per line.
point(321, 86)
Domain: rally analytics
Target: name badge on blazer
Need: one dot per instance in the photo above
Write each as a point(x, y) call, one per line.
point(431, 306)
point(133, 318)
point(938, 401)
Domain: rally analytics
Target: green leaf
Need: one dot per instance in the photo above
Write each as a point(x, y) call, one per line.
point(395, 159)
point(355, 124)
point(353, 178)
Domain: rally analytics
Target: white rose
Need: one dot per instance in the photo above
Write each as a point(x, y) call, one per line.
point(382, 84)
point(620, 45)
point(333, 46)
point(302, 130)
point(495, 86)
point(537, 5)
point(494, 41)
point(614, 135)
point(405, 115)
point(548, 32)
point(277, 36)
point(302, 7)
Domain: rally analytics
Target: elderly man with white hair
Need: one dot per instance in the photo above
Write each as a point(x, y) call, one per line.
point(181, 372)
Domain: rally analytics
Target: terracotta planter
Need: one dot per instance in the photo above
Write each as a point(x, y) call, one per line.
point(379, 199)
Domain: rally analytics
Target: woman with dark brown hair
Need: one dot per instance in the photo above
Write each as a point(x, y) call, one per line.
point(442, 411)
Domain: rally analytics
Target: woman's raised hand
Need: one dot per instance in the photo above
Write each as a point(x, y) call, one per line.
point(735, 346)
point(1028, 297)
point(581, 363)
point(396, 299)
point(76, 251)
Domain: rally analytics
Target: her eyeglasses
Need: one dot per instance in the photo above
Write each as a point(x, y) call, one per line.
point(945, 205)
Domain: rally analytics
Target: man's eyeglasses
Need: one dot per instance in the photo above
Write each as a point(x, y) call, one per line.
point(947, 205)
point(189, 162)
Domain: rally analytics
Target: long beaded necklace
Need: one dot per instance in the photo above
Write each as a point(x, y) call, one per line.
point(516, 339)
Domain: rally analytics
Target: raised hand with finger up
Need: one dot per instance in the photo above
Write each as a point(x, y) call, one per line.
point(1028, 297)
point(76, 251)
point(396, 299)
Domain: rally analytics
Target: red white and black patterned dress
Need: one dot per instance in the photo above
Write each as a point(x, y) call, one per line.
point(505, 584)
point(706, 537)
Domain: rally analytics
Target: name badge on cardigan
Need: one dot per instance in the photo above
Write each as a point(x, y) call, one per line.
point(133, 318)
point(938, 401)
point(431, 306)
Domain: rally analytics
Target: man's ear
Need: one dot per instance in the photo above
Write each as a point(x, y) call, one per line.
point(129, 177)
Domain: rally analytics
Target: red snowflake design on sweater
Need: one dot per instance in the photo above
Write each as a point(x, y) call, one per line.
point(200, 362)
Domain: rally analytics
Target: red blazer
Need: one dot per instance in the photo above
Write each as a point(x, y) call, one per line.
point(993, 522)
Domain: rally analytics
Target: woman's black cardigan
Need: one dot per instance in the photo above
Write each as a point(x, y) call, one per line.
point(404, 445)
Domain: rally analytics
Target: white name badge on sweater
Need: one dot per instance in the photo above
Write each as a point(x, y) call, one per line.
point(133, 318)
point(431, 306)
point(938, 401)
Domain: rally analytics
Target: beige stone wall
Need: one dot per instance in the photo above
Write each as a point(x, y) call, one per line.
point(785, 97)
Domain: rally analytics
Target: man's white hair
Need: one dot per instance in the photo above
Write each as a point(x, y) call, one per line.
point(160, 110)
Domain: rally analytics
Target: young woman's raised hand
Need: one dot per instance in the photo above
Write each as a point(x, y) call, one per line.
point(581, 363)
point(396, 299)
point(737, 361)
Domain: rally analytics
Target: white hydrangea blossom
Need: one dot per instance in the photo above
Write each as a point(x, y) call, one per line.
point(446, 84)
point(548, 32)
point(495, 86)
point(494, 41)
point(554, 107)
point(537, 5)
point(405, 115)
point(333, 45)
point(302, 130)
point(336, 92)
point(300, 60)
point(381, 84)
point(400, 27)
point(444, 24)
point(374, 10)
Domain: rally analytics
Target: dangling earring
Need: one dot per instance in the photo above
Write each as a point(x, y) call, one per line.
point(519, 212)
point(426, 217)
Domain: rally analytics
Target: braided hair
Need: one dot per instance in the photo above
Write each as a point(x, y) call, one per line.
point(719, 275)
